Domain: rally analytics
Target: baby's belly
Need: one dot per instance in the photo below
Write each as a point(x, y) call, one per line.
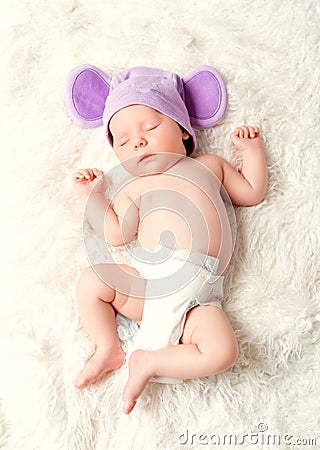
point(173, 230)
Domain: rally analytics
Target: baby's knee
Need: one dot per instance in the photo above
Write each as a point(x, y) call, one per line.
point(232, 354)
point(226, 357)
point(222, 359)
point(86, 280)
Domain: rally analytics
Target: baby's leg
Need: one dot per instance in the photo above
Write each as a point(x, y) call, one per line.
point(97, 303)
point(208, 346)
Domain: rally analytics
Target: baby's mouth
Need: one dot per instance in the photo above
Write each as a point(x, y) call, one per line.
point(145, 157)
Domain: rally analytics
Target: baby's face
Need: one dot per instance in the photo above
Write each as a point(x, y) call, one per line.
point(146, 141)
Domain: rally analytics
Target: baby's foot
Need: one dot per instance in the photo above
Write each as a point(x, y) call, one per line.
point(98, 364)
point(139, 375)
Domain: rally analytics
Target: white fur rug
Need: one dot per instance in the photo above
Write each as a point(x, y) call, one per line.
point(268, 53)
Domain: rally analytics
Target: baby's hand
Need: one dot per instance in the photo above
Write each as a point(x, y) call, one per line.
point(246, 138)
point(85, 180)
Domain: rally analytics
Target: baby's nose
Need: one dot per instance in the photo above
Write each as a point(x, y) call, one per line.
point(140, 142)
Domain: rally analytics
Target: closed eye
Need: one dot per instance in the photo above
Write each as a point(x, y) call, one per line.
point(123, 143)
point(152, 127)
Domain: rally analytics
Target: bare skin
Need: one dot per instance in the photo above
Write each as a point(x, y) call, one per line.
point(150, 147)
point(98, 317)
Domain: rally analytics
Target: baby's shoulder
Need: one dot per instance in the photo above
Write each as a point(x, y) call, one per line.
point(127, 192)
point(212, 162)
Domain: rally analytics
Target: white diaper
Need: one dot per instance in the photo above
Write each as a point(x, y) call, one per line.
point(178, 280)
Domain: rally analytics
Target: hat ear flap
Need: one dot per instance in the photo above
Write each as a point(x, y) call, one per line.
point(87, 90)
point(205, 96)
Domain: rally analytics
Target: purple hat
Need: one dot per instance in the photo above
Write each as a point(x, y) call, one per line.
point(198, 99)
point(162, 91)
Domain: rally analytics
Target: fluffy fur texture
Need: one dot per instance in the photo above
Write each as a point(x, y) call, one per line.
point(268, 53)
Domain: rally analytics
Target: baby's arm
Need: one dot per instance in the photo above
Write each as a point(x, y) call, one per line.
point(247, 187)
point(103, 218)
point(128, 214)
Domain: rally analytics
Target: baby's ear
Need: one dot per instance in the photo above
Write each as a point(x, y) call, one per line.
point(205, 96)
point(87, 90)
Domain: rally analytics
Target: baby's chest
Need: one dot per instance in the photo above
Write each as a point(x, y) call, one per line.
point(177, 195)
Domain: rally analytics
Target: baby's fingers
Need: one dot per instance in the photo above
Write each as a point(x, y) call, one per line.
point(246, 132)
point(237, 133)
point(97, 172)
point(77, 176)
point(90, 175)
point(253, 131)
point(84, 174)
point(241, 132)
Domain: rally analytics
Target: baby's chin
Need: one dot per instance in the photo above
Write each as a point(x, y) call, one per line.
point(152, 164)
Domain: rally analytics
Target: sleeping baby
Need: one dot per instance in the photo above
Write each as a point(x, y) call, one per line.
point(174, 205)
